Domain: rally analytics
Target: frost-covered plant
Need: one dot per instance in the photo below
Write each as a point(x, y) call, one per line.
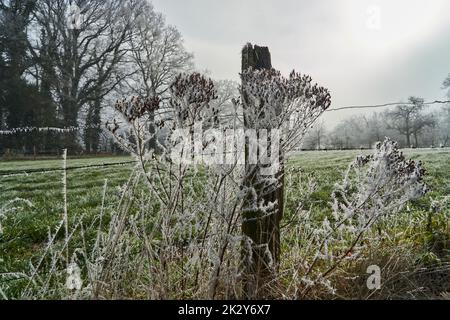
point(176, 230)
point(133, 114)
point(287, 107)
point(293, 104)
point(374, 187)
point(190, 100)
point(377, 185)
point(10, 207)
point(187, 221)
point(196, 210)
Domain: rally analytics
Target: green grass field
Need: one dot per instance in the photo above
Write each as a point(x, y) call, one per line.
point(25, 231)
point(30, 226)
point(329, 166)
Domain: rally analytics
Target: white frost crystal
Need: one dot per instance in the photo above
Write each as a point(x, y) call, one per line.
point(74, 281)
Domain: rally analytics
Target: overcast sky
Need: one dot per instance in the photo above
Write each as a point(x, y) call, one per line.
point(365, 52)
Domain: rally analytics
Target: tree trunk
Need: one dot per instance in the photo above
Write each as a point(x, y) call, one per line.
point(92, 131)
point(416, 139)
point(70, 120)
point(261, 250)
point(318, 141)
point(408, 132)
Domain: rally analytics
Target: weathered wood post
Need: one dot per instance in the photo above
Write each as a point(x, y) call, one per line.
point(262, 253)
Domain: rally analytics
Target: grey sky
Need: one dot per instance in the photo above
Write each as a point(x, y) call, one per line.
point(341, 44)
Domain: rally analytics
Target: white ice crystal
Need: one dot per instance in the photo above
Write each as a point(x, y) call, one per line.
point(73, 281)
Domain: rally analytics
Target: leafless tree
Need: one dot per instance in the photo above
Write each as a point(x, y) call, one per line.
point(86, 48)
point(442, 127)
point(316, 137)
point(447, 84)
point(157, 54)
point(408, 120)
point(447, 111)
point(421, 123)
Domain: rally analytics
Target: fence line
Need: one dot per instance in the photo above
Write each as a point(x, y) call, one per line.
point(8, 174)
point(74, 129)
point(392, 104)
point(39, 130)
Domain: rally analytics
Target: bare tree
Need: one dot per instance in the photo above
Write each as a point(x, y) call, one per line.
point(316, 137)
point(352, 133)
point(157, 54)
point(368, 130)
point(441, 128)
point(86, 50)
point(447, 84)
point(421, 122)
point(407, 119)
point(377, 128)
point(339, 138)
point(359, 131)
point(447, 112)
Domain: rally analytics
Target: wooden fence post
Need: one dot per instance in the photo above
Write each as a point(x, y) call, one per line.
point(261, 229)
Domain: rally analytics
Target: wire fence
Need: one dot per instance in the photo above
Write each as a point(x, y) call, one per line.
point(27, 172)
point(13, 131)
point(392, 104)
point(15, 173)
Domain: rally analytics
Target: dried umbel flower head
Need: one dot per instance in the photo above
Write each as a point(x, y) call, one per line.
point(395, 164)
point(378, 185)
point(269, 89)
point(375, 187)
point(137, 107)
point(301, 85)
point(194, 88)
point(291, 104)
point(190, 95)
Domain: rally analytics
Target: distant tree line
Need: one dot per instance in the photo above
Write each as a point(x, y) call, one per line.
point(62, 63)
point(413, 125)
